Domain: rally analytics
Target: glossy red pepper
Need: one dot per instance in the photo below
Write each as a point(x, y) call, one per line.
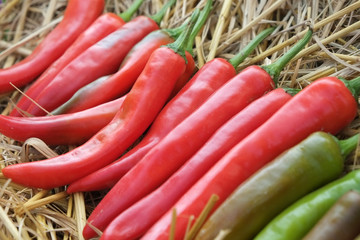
point(100, 59)
point(77, 17)
point(65, 129)
point(119, 83)
point(137, 219)
point(101, 27)
point(308, 111)
point(204, 83)
point(140, 107)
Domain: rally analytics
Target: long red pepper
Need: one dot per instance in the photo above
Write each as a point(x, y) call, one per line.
point(101, 27)
point(185, 139)
point(137, 219)
point(77, 17)
point(65, 129)
point(140, 107)
point(325, 104)
point(205, 82)
point(119, 83)
point(100, 59)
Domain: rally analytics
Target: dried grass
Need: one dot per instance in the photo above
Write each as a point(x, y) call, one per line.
point(31, 213)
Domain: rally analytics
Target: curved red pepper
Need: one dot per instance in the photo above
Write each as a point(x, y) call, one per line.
point(65, 129)
point(137, 219)
point(77, 17)
point(206, 81)
point(98, 60)
point(101, 27)
point(139, 109)
point(180, 144)
point(325, 105)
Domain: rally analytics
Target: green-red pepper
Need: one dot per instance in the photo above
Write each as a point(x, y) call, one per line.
point(298, 219)
point(317, 160)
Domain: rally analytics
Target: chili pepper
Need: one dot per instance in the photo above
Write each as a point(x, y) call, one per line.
point(307, 112)
point(183, 141)
point(100, 59)
point(137, 112)
point(77, 17)
point(342, 221)
point(72, 128)
point(116, 85)
point(134, 221)
point(314, 162)
point(298, 219)
point(205, 82)
point(101, 27)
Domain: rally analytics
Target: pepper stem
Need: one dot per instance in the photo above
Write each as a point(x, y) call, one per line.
point(275, 68)
point(198, 25)
point(244, 53)
point(348, 145)
point(353, 85)
point(179, 45)
point(160, 15)
point(126, 15)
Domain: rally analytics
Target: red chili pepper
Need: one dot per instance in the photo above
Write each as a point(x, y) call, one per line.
point(65, 129)
point(325, 105)
point(136, 220)
point(100, 59)
point(205, 82)
point(185, 139)
point(119, 83)
point(101, 27)
point(77, 17)
point(140, 107)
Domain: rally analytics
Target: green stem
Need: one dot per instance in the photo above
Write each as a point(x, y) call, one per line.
point(244, 53)
point(291, 91)
point(353, 85)
point(126, 16)
point(179, 45)
point(198, 25)
point(348, 145)
point(275, 68)
point(176, 32)
point(160, 15)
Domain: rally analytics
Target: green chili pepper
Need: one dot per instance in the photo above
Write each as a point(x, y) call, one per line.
point(315, 161)
point(298, 219)
point(342, 221)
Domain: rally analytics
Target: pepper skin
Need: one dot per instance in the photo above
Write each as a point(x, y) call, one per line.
point(65, 129)
point(100, 59)
point(307, 112)
point(205, 82)
point(137, 219)
point(101, 27)
point(298, 219)
point(180, 144)
point(77, 17)
point(312, 163)
point(342, 221)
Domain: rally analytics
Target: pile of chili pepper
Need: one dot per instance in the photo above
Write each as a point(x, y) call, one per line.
point(265, 154)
